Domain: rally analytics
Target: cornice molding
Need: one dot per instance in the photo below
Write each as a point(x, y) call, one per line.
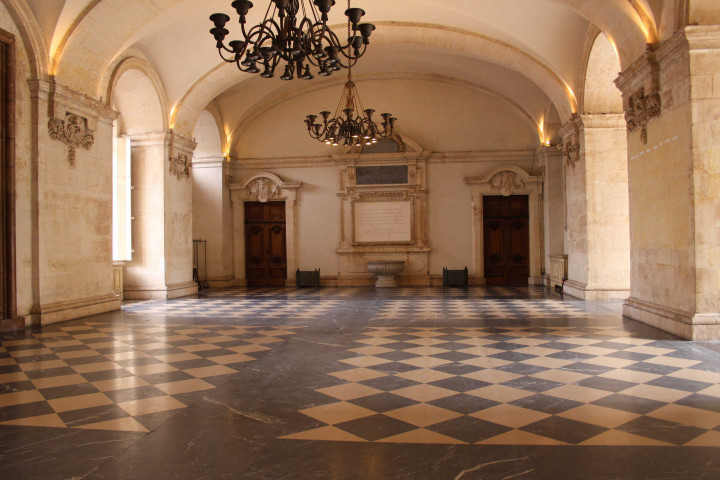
point(505, 156)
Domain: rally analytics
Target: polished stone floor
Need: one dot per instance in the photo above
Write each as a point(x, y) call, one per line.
point(359, 383)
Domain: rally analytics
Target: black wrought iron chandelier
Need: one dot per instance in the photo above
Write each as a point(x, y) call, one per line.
point(352, 125)
point(298, 41)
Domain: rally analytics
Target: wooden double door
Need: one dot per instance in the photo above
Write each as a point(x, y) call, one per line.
point(265, 244)
point(506, 240)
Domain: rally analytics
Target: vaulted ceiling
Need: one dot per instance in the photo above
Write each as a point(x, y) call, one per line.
point(529, 54)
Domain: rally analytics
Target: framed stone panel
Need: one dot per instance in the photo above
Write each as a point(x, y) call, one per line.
point(382, 222)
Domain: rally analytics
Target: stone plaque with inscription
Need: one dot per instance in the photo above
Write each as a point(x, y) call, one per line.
point(383, 222)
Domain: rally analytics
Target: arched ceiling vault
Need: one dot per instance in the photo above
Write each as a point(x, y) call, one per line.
point(273, 100)
point(427, 38)
point(537, 37)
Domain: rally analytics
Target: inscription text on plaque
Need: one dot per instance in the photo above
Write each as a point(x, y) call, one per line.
point(383, 222)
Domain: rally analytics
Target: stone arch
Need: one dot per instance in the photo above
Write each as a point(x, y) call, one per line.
point(141, 109)
point(602, 66)
point(32, 37)
point(277, 98)
point(143, 67)
point(461, 42)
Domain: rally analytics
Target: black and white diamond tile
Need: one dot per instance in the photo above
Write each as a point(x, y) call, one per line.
point(589, 385)
point(108, 377)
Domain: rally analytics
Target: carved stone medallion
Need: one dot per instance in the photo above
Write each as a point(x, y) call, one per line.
point(263, 189)
point(506, 183)
point(180, 166)
point(73, 132)
point(641, 109)
point(571, 152)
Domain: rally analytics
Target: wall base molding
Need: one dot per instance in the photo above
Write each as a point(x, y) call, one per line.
point(221, 282)
point(167, 292)
point(698, 327)
point(69, 310)
point(596, 292)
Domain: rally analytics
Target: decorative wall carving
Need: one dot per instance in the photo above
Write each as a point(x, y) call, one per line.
point(73, 132)
point(641, 109)
point(507, 183)
point(571, 152)
point(263, 189)
point(180, 166)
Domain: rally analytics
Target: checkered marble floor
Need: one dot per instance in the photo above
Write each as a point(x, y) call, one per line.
point(476, 309)
point(358, 383)
point(236, 307)
point(114, 377)
point(591, 385)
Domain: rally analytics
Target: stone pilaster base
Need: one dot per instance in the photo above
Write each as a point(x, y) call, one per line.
point(12, 324)
point(62, 311)
point(690, 327)
point(596, 292)
point(161, 293)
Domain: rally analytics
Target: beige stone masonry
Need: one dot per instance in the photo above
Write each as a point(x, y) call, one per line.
point(213, 218)
point(161, 265)
point(72, 205)
point(597, 209)
point(551, 163)
point(675, 189)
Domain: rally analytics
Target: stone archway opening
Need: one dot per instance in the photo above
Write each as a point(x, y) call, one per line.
point(596, 179)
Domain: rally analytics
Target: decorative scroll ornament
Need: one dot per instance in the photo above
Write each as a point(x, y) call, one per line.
point(263, 189)
point(641, 109)
point(571, 152)
point(180, 166)
point(74, 134)
point(507, 183)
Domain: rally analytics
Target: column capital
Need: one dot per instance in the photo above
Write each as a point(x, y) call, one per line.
point(602, 121)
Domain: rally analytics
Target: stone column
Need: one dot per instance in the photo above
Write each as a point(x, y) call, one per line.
point(161, 265)
point(672, 100)
point(71, 196)
point(597, 207)
point(551, 162)
point(213, 217)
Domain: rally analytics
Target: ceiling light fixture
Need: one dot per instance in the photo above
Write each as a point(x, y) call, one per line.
point(347, 127)
point(298, 41)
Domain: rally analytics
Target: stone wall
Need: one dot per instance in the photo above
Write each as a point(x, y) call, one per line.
point(674, 200)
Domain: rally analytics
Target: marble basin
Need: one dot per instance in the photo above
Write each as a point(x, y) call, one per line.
point(386, 271)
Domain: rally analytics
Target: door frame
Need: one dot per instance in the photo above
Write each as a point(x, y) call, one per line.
point(507, 180)
point(264, 187)
point(508, 223)
point(268, 226)
point(8, 309)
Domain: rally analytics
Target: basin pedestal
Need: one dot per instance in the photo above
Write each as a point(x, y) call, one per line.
point(386, 271)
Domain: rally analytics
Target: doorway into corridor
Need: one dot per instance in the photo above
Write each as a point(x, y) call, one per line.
point(265, 244)
point(506, 240)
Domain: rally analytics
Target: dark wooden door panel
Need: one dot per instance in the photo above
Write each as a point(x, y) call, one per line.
point(506, 240)
point(277, 256)
point(265, 244)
